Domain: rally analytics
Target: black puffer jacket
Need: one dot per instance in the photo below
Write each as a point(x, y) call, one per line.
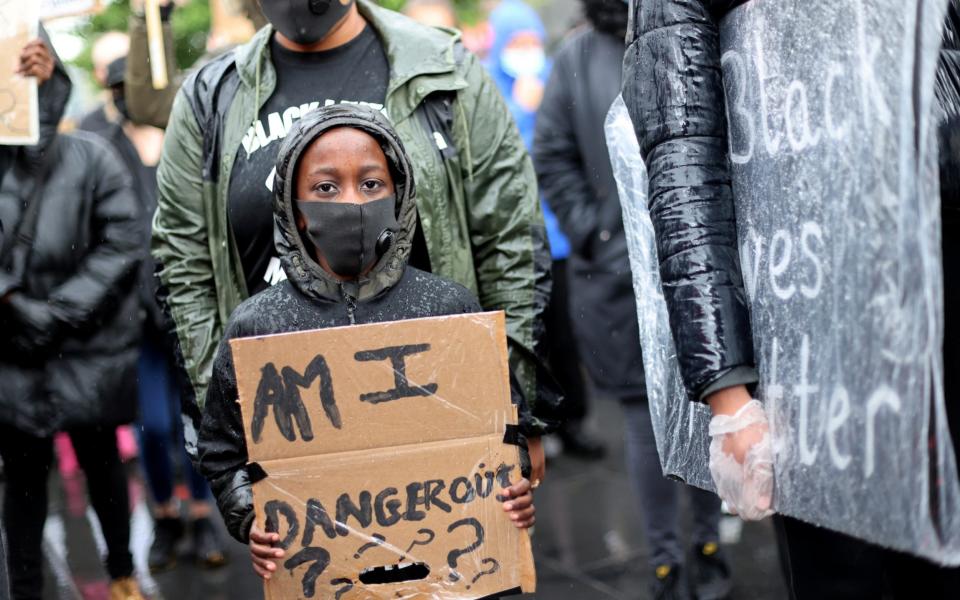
point(144, 181)
point(313, 299)
point(72, 319)
point(673, 89)
point(576, 179)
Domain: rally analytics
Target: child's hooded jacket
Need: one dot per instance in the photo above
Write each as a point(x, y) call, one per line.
point(311, 298)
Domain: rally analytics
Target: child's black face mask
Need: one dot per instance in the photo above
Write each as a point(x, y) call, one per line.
point(351, 237)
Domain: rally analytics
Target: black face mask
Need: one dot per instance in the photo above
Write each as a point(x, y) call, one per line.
point(120, 102)
point(305, 21)
point(352, 237)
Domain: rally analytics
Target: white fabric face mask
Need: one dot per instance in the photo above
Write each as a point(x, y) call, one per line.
point(523, 62)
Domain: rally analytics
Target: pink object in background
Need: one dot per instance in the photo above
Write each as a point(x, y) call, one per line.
point(66, 457)
point(126, 443)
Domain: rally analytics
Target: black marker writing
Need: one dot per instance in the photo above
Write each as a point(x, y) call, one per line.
point(402, 388)
point(283, 394)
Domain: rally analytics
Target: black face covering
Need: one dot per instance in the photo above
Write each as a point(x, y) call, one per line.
point(352, 237)
point(120, 102)
point(304, 21)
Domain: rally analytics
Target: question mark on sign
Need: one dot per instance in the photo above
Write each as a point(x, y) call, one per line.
point(378, 540)
point(457, 553)
point(425, 532)
point(494, 567)
point(347, 586)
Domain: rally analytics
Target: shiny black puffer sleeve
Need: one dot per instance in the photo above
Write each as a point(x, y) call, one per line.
point(222, 447)
point(673, 89)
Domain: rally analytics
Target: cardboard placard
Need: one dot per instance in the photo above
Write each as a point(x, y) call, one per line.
point(54, 9)
point(384, 451)
point(19, 116)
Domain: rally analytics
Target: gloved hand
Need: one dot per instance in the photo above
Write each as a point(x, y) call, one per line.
point(741, 460)
point(33, 324)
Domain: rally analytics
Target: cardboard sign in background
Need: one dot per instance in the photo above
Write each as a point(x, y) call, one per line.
point(383, 448)
point(19, 124)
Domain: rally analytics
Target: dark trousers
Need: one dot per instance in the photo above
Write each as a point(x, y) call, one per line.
point(827, 565)
point(562, 355)
point(161, 432)
point(660, 497)
point(27, 461)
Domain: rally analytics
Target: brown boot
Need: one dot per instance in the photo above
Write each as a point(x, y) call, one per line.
point(125, 588)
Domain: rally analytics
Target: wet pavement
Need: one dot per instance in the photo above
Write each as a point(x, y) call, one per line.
point(588, 542)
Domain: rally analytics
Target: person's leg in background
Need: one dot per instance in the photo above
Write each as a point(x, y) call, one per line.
point(659, 503)
point(207, 545)
point(26, 463)
point(107, 486)
point(564, 363)
point(710, 569)
point(156, 434)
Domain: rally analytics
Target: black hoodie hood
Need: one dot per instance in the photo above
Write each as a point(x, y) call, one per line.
point(298, 263)
point(53, 97)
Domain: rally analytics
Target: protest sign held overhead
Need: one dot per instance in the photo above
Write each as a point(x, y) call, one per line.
point(19, 124)
point(834, 162)
point(384, 452)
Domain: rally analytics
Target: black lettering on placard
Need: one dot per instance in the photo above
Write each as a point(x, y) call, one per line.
point(387, 511)
point(415, 497)
point(402, 388)
point(461, 491)
point(273, 509)
point(503, 478)
point(378, 540)
point(493, 568)
point(317, 515)
point(320, 559)
point(479, 480)
point(346, 509)
point(456, 553)
point(317, 368)
point(346, 586)
point(282, 392)
point(432, 489)
point(428, 534)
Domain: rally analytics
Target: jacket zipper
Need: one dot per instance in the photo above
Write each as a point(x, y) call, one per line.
point(351, 305)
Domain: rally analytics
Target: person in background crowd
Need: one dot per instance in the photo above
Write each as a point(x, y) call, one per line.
point(573, 166)
point(690, 177)
point(518, 64)
point(161, 436)
point(109, 47)
point(343, 169)
point(479, 222)
point(435, 13)
point(71, 320)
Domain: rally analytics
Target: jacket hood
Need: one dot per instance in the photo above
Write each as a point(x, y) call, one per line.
point(53, 97)
point(508, 19)
point(298, 263)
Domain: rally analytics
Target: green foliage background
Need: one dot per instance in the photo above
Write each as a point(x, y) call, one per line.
point(191, 21)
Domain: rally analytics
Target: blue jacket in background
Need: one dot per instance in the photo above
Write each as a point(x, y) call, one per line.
point(508, 19)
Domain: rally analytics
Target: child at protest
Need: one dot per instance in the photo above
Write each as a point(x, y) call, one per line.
point(345, 217)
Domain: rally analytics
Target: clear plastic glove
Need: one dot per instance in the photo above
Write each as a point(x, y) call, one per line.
point(741, 461)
